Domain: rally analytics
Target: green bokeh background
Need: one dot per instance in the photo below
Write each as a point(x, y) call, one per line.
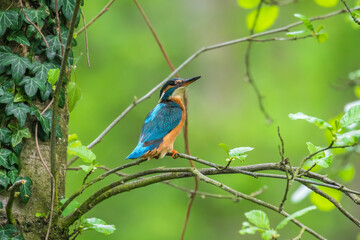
point(294, 76)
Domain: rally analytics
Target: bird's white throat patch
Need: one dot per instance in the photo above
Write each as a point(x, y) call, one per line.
point(179, 92)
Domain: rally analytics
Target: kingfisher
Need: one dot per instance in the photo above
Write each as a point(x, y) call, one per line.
point(163, 124)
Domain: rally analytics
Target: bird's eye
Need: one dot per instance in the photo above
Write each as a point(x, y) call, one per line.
point(178, 81)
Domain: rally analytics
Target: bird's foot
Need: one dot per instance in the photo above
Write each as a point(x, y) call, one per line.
point(174, 154)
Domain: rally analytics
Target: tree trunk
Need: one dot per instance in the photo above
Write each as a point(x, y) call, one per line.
point(31, 226)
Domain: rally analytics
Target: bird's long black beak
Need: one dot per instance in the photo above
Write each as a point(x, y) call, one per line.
point(189, 80)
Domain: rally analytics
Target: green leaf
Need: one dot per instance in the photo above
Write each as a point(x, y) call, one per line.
point(19, 110)
point(53, 76)
point(18, 65)
point(235, 152)
point(40, 215)
point(347, 174)
point(18, 135)
point(224, 146)
point(295, 34)
point(18, 37)
point(13, 174)
point(248, 4)
point(259, 218)
point(1, 205)
point(5, 135)
point(247, 228)
point(321, 35)
point(37, 15)
point(97, 225)
point(269, 234)
point(323, 159)
point(351, 116)
point(326, 3)
point(70, 208)
point(41, 71)
point(305, 20)
point(8, 19)
point(322, 203)
point(25, 189)
point(13, 159)
point(4, 158)
point(83, 152)
point(68, 9)
point(294, 215)
point(19, 97)
point(4, 180)
point(7, 231)
point(7, 98)
point(87, 168)
point(266, 18)
point(349, 138)
point(316, 121)
point(44, 121)
point(74, 95)
point(32, 85)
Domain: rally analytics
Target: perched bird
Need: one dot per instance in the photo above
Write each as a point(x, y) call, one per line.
point(164, 123)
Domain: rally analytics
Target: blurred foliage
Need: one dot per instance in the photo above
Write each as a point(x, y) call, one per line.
point(294, 76)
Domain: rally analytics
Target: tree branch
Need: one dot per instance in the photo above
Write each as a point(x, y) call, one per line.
point(351, 13)
point(96, 17)
point(11, 200)
point(191, 58)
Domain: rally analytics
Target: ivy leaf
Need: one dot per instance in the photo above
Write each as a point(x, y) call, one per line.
point(306, 21)
point(19, 110)
point(7, 231)
point(18, 135)
point(13, 174)
point(19, 97)
point(7, 98)
point(259, 218)
point(44, 121)
point(25, 189)
point(266, 18)
point(351, 116)
point(13, 159)
point(70, 208)
point(4, 158)
point(41, 71)
point(4, 180)
point(54, 46)
point(68, 9)
point(294, 215)
point(326, 3)
point(8, 19)
point(5, 135)
point(316, 121)
point(18, 65)
point(36, 15)
point(53, 76)
point(18, 37)
point(32, 85)
point(82, 152)
point(98, 225)
point(74, 95)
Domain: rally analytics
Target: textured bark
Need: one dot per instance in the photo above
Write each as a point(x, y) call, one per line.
point(31, 166)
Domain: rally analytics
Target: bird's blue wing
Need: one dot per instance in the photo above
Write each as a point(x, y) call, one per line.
point(158, 123)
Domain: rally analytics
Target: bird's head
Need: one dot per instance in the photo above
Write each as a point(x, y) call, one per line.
point(175, 88)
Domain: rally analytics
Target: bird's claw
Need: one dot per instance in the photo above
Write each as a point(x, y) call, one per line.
point(174, 154)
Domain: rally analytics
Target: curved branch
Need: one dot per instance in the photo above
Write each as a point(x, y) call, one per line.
point(192, 57)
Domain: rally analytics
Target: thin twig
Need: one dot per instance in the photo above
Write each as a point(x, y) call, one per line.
point(254, 200)
point(96, 17)
point(351, 13)
point(34, 25)
point(336, 203)
point(249, 77)
point(284, 161)
point(191, 58)
point(298, 237)
point(10, 202)
point(58, 30)
point(86, 40)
